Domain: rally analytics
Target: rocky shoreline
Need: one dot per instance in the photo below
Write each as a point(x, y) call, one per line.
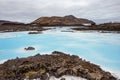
point(9, 26)
point(56, 64)
point(101, 27)
point(38, 30)
point(16, 28)
point(55, 21)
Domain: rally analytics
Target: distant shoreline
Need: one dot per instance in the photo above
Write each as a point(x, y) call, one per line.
point(56, 21)
point(4, 29)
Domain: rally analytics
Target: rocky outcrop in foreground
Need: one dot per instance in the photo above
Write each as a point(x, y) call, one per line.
point(56, 64)
point(69, 20)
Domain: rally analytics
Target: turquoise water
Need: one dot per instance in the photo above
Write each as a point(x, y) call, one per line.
point(99, 48)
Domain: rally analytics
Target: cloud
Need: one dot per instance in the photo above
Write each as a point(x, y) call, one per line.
point(28, 10)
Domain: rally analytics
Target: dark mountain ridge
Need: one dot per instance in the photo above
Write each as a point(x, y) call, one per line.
point(5, 22)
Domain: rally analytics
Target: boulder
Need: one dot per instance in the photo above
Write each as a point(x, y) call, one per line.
point(29, 48)
point(35, 32)
point(62, 79)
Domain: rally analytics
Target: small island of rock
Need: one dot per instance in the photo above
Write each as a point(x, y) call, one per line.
point(29, 48)
point(35, 32)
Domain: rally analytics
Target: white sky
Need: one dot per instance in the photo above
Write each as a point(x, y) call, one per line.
point(29, 10)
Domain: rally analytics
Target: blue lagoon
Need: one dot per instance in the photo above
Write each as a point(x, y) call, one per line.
point(100, 48)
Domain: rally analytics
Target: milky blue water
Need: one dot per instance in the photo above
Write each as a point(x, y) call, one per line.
point(99, 48)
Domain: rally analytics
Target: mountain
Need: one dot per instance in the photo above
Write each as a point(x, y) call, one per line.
point(69, 20)
point(42, 67)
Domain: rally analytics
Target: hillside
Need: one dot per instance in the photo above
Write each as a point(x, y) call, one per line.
point(69, 20)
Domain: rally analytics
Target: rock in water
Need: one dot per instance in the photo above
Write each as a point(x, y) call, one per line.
point(62, 79)
point(29, 48)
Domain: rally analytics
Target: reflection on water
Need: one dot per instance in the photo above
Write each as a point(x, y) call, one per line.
point(100, 48)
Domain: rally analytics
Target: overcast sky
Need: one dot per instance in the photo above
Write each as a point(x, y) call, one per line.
point(29, 10)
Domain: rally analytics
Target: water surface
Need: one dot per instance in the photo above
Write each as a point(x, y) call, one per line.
point(99, 48)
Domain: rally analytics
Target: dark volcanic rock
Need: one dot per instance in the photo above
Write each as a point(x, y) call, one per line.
point(30, 48)
point(9, 26)
point(102, 27)
point(3, 22)
point(35, 32)
point(69, 20)
point(62, 79)
point(56, 64)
